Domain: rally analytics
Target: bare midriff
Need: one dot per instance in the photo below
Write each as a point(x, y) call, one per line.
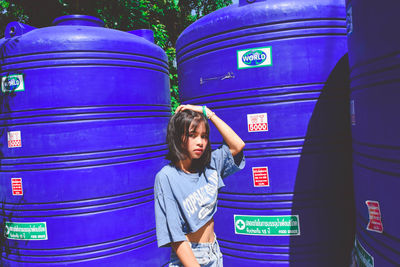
point(204, 235)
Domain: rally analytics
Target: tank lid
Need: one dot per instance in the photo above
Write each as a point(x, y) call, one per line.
point(82, 20)
point(144, 33)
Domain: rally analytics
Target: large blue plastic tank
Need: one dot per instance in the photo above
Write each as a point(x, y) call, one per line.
point(374, 58)
point(81, 143)
point(277, 72)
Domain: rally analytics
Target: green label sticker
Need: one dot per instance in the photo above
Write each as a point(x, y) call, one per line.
point(363, 258)
point(12, 83)
point(286, 225)
point(254, 57)
point(25, 231)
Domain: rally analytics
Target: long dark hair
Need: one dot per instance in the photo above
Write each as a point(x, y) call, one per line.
point(178, 134)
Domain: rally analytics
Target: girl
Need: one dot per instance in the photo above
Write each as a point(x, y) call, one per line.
point(186, 190)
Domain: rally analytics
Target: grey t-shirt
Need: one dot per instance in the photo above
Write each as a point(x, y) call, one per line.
point(184, 202)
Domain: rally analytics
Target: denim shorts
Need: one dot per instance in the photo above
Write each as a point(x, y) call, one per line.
point(207, 255)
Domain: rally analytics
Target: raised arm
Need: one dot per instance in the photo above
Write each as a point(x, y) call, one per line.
point(234, 142)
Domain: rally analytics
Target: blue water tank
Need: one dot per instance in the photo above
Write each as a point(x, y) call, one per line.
point(83, 116)
point(374, 58)
point(277, 72)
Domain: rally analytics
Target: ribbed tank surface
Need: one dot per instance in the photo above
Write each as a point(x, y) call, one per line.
point(277, 73)
point(374, 57)
point(83, 116)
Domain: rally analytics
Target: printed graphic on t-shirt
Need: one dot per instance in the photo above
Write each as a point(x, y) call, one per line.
point(199, 201)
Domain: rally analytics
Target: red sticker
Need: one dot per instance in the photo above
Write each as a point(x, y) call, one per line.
point(375, 218)
point(14, 139)
point(16, 184)
point(260, 176)
point(257, 122)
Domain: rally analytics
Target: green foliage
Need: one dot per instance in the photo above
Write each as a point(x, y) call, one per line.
point(4, 4)
point(167, 19)
point(160, 35)
point(173, 77)
point(10, 11)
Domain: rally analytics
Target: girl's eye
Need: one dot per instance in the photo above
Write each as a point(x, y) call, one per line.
point(204, 136)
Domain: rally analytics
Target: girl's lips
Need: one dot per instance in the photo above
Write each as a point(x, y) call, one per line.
point(198, 151)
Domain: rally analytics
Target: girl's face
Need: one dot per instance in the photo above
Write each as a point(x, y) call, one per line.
point(196, 141)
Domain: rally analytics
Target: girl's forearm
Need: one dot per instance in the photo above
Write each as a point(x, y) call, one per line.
point(234, 142)
point(185, 254)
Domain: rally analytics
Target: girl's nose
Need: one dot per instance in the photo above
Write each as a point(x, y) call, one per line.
point(199, 141)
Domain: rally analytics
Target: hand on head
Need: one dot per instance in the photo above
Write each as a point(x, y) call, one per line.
point(190, 107)
point(200, 109)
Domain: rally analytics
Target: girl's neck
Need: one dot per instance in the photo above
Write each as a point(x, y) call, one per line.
point(185, 165)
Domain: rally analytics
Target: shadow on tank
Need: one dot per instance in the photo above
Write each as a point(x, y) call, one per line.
point(324, 198)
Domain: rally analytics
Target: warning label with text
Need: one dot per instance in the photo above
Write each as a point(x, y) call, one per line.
point(285, 225)
point(16, 185)
point(260, 176)
point(25, 230)
point(375, 218)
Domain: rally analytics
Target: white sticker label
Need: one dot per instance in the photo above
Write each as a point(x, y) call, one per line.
point(257, 122)
point(254, 57)
point(352, 113)
point(14, 139)
point(12, 83)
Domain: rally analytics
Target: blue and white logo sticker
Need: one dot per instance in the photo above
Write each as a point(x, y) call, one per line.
point(12, 83)
point(254, 57)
